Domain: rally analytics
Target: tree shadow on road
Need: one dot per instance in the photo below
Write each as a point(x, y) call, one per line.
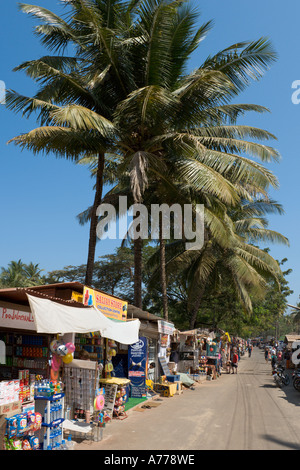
point(285, 444)
point(290, 394)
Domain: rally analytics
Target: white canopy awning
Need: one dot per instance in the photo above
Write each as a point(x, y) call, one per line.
point(54, 318)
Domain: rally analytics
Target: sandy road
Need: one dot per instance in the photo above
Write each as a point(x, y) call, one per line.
point(245, 411)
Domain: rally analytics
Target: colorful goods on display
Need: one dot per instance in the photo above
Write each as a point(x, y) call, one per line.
point(21, 389)
point(20, 428)
point(111, 352)
point(121, 398)
point(61, 353)
point(99, 404)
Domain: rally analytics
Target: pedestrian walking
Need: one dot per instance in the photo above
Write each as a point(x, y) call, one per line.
point(287, 357)
point(250, 347)
point(279, 356)
point(234, 363)
point(273, 360)
point(266, 354)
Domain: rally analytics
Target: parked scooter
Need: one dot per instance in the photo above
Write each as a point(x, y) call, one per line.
point(280, 376)
point(296, 380)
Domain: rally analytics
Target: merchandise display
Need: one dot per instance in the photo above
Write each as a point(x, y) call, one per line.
point(51, 405)
point(20, 429)
point(24, 351)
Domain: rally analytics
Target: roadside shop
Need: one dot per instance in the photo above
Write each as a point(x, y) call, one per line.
point(291, 342)
point(42, 387)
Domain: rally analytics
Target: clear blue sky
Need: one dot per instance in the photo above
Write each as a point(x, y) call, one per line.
point(41, 196)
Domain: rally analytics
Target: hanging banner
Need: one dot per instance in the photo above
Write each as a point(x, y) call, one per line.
point(16, 319)
point(110, 306)
point(137, 359)
point(165, 328)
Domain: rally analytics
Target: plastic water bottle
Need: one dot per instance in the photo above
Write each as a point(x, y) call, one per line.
point(70, 444)
point(63, 445)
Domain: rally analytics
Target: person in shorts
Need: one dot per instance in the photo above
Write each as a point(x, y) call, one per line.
point(234, 363)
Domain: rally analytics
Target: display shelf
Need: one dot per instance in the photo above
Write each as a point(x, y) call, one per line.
point(55, 397)
point(25, 351)
point(53, 427)
point(92, 344)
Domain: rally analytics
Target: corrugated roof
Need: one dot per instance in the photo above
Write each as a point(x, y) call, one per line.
point(291, 338)
point(142, 314)
point(188, 332)
point(18, 296)
point(55, 292)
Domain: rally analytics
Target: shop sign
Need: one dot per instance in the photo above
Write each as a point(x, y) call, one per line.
point(165, 328)
point(296, 354)
point(77, 296)
point(10, 318)
point(110, 306)
point(137, 358)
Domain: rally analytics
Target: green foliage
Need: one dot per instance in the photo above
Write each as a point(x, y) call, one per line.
point(19, 274)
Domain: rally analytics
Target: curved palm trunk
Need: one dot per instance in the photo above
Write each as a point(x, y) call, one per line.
point(94, 221)
point(163, 277)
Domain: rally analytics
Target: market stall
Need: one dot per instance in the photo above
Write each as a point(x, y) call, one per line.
point(35, 335)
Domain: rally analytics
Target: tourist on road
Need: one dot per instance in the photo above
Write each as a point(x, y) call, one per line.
point(279, 356)
point(267, 353)
point(250, 347)
point(235, 360)
point(273, 360)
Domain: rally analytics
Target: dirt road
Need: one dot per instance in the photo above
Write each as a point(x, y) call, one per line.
point(245, 411)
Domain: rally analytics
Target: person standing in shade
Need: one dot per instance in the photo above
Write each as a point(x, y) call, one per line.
point(250, 347)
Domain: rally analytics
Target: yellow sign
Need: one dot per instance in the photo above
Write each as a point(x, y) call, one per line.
point(111, 307)
point(77, 296)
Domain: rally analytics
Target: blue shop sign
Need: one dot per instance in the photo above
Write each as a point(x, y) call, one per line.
point(137, 359)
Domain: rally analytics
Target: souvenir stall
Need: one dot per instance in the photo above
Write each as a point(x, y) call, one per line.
point(224, 351)
point(188, 352)
point(39, 373)
point(169, 382)
point(212, 357)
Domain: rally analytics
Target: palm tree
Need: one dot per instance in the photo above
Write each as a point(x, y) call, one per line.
point(126, 91)
point(19, 274)
point(246, 265)
point(76, 100)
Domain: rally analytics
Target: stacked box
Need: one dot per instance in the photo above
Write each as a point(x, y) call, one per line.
point(9, 391)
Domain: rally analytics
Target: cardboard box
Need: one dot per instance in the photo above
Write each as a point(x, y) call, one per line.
point(10, 409)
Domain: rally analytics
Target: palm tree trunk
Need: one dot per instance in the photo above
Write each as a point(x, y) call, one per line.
point(163, 278)
point(138, 243)
point(94, 221)
point(195, 307)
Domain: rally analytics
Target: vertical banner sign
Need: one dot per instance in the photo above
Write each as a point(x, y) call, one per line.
point(137, 358)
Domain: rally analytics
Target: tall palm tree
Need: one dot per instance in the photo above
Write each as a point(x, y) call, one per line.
point(245, 264)
point(126, 91)
point(78, 93)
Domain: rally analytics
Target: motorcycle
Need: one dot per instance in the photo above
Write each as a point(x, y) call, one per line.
point(280, 376)
point(296, 380)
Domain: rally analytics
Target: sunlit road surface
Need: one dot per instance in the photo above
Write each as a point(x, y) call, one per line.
point(245, 411)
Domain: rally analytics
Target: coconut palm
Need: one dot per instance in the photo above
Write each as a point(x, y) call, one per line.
point(126, 91)
point(246, 265)
point(19, 274)
point(75, 101)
